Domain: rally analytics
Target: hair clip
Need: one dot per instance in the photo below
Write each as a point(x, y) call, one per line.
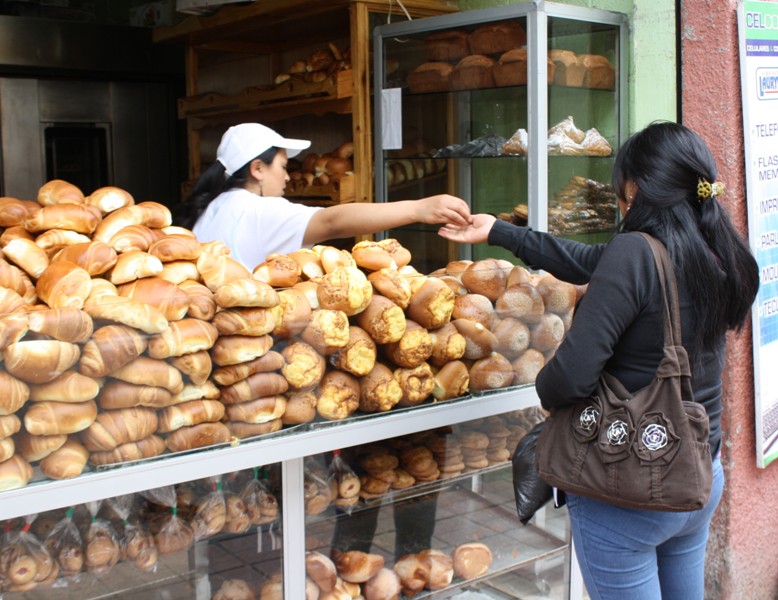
point(706, 190)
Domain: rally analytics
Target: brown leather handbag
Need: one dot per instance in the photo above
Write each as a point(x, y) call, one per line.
point(649, 449)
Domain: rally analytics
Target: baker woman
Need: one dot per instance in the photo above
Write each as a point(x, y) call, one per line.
point(239, 201)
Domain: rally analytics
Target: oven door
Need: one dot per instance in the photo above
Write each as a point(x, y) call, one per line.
point(78, 153)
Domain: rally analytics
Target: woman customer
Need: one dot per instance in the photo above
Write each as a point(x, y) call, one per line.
point(238, 201)
point(665, 180)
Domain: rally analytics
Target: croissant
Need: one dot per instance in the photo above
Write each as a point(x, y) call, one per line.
point(40, 361)
point(68, 387)
point(72, 217)
point(197, 366)
point(191, 391)
point(36, 447)
point(148, 447)
point(13, 394)
point(133, 237)
point(245, 321)
point(258, 385)
point(53, 240)
point(235, 349)
point(120, 394)
point(66, 462)
point(95, 257)
point(183, 337)
point(14, 473)
point(9, 425)
point(202, 304)
point(13, 211)
point(197, 436)
point(227, 375)
point(218, 269)
point(119, 309)
point(167, 297)
point(175, 247)
point(54, 418)
point(133, 265)
point(178, 271)
point(109, 199)
point(246, 292)
point(149, 371)
point(115, 427)
point(13, 326)
point(64, 284)
point(66, 324)
point(110, 348)
point(58, 191)
point(261, 410)
point(13, 277)
point(189, 413)
point(27, 255)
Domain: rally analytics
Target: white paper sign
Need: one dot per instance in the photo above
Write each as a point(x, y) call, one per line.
point(391, 119)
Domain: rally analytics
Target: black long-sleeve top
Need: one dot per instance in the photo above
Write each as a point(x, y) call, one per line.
point(618, 325)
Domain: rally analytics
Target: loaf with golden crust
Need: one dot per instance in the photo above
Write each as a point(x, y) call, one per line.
point(54, 418)
point(110, 348)
point(449, 45)
point(197, 436)
point(166, 297)
point(115, 427)
point(473, 72)
point(39, 361)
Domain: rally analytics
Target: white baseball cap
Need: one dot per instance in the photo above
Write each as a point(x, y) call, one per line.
point(243, 143)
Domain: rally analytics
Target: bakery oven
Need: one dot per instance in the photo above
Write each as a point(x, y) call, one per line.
point(78, 153)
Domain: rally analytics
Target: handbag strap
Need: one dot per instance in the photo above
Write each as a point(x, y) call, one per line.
point(669, 285)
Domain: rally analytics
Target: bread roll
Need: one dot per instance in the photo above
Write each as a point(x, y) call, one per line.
point(357, 567)
point(27, 255)
point(389, 283)
point(413, 572)
point(40, 361)
point(175, 247)
point(270, 361)
point(451, 381)
point(332, 258)
point(558, 296)
point(66, 462)
point(166, 297)
point(521, 301)
point(13, 394)
point(242, 430)
point(246, 292)
point(64, 284)
point(491, 372)
point(151, 214)
point(304, 367)
point(279, 270)
point(14, 473)
point(115, 427)
point(479, 341)
point(148, 447)
point(292, 314)
point(475, 307)
point(412, 349)
point(379, 391)
point(371, 256)
point(120, 394)
point(258, 385)
point(182, 337)
point(13, 211)
point(68, 387)
point(133, 265)
point(191, 391)
point(471, 560)
point(245, 321)
point(338, 395)
point(179, 271)
point(110, 348)
point(59, 191)
point(109, 198)
point(259, 410)
point(321, 569)
point(13, 278)
point(431, 304)
point(513, 337)
point(236, 349)
point(37, 447)
point(345, 288)
point(101, 289)
point(309, 263)
point(9, 425)
point(133, 237)
point(217, 270)
point(202, 303)
point(383, 320)
point(197, 436)
point(327, 330)
point(68, 324)
point(447, 345)
point(13, 326)
point(358, 356)
point(7, 448)
point(125, 311)
point(149, 371)
point(486, 277)
point(11, 302)
point(441, 568)
point(54, 418)
point(300, 408)
point(416, 384)
point(189, 413)
point(72, 217)
point(197, 366)
point(548, 333)
point(527, 366)
point(54, 240)
point(384, 585)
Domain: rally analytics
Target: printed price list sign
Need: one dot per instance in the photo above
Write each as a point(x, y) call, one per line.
point(758, 29)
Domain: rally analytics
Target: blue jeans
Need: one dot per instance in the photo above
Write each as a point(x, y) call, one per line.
point(628, 554)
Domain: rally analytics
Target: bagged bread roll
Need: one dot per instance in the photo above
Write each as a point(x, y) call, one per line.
point(40, 361)
point(66, 462)
point(13, 394)
point(109, 198)
point(149, 371)
point(167, 297)
point(56, 418)
point(110, 348)
point(183, 337)
point(68, 387)
point(113, 428)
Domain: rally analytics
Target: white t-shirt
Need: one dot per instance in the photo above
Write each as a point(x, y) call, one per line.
point(254, 226)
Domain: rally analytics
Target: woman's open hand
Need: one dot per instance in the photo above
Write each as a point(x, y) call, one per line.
point(475, 232)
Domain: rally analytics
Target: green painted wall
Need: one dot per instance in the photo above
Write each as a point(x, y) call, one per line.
point(652, 61)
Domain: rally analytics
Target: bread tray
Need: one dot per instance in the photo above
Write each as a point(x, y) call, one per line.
point(502, 390)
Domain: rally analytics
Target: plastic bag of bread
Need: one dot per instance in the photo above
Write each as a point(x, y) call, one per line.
point(171, 532)
point(101, 544)
point(318, 493)
point(261, 505)
point(24, 561)
point(65, 545)
point(136, 544)
point(346, 482)
point(209, 511)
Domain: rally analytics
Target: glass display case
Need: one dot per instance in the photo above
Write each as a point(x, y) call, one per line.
point(518, 109)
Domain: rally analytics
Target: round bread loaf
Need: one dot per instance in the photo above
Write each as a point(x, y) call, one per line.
point(486, 277)
point(432, 304)
point(491, 372)
point(338, 395)
point(345, 288)
point(379, 391)
point(357, 567)
point(471, 560)
point(382, 319)
point(358, 356)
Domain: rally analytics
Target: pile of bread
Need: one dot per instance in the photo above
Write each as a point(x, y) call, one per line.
point(69, 545)
point(495, 55)
point(319, 65)
point(583, 205)
point(564, 139)
point(326, 169)
point(356, 575)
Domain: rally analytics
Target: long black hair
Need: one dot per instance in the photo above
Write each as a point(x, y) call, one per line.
point(666, 161)
point(212, 182)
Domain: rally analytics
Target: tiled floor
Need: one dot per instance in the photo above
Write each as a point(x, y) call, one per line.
point(461, 515)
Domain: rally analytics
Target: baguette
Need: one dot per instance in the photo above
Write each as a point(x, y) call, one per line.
point(54, 418)
point(110, 348)
point(115, 427)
